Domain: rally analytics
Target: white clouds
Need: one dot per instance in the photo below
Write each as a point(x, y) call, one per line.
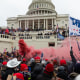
point(12, 8)
point(68, 7)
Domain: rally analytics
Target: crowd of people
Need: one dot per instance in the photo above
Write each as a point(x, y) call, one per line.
point(12, 31)
point(15, 67)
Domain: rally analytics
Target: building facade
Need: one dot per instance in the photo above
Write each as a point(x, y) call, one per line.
point(40, 16)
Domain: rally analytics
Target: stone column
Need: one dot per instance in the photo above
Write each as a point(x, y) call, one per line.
point(47, 12)
point(20, 24)
point(44, 11)
point(44, 24)
point(38, 12)
point(33, 24)
point(41, 11)
point(52, 24)
point(38, 23)
point(55, 23)
point(35, 12)
point(25, 24)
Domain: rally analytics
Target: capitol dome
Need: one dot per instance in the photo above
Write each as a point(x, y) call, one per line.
point(41, 7)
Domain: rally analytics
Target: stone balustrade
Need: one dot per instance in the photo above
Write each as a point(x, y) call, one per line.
point(5, 36)
point(27, 36)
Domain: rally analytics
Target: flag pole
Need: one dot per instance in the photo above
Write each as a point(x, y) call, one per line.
point(69, 33)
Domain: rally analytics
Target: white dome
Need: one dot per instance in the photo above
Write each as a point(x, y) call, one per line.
point(42, 0)
point(45, 5)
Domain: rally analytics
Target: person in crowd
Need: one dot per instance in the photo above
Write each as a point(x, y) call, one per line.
point(1, 58)
point(37, 72)
point(64, 63)
point(37, 59)
point(32, 60)
point(48, 73)
point(33, 64)
point(3, 70)
point(11, 66)
point(18, 76)
point(24, 71)
point(62, 74)
point(24, 60)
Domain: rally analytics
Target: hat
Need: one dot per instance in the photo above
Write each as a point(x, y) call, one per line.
point(61, 68)
point(32, 60)
point(49, 67)
point(62, 62)
point(23, 67)
point(43, 62)
point(13, 63)
point(37, 58)
point(55, 62)
point(46, 59)
point(19, 76)
point(24, 60)
point(4, 63)
point(77, 77)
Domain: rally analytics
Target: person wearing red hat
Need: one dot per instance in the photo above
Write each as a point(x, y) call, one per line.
point(55, 62)
point(37, 59)
point(49, 68)
point(4, 63)
point(24, 71)
point(46, 59)
point(24, 61)
point(23, 67)
point(48, 72)
point(18, 76)
point(11, 66)
point(62, 62)
point(3, 70)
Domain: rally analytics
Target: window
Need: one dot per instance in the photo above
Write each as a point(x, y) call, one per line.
point(51, 44)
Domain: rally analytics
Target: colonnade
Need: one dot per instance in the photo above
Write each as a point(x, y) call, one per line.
point(45, 23)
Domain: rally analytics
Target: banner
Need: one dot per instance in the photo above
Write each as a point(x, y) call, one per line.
point(74, 27)
point(60, 36)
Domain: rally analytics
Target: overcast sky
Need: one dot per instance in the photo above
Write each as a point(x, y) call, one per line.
point(12, 8)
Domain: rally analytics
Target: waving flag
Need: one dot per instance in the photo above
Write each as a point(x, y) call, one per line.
point(74, 27)
point(60, 36)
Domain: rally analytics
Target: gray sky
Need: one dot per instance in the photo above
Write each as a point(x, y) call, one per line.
point(12, 8)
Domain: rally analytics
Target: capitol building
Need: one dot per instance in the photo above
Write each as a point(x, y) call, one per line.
point(41, 18)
